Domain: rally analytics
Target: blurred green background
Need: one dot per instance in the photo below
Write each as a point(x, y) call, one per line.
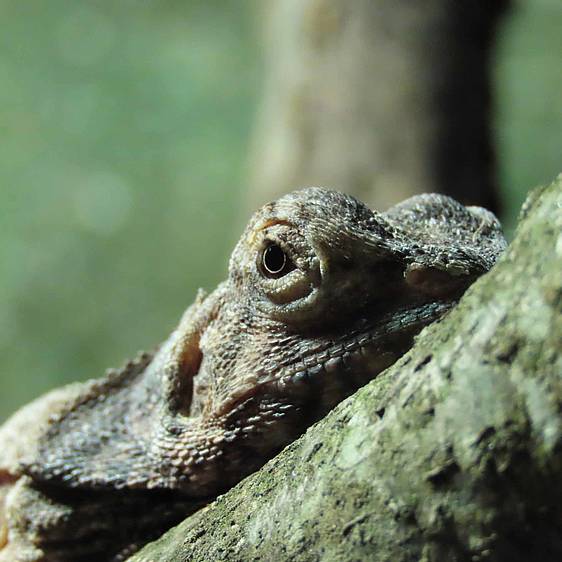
point(125, 129)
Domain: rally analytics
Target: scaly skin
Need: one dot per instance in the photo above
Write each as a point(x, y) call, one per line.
point(322, 295)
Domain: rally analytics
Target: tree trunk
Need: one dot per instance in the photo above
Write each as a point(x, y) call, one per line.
point(452, 454)
point(378, 98)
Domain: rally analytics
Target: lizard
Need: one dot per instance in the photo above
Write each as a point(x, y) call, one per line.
point(322, 294)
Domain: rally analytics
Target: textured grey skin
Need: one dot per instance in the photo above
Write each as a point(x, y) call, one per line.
point(113, 462)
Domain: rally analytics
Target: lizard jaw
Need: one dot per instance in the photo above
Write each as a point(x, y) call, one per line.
point(365, 343)
point(343, 365)
point(352, 362)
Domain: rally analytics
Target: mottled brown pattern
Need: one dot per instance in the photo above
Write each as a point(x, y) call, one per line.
point(322, 295)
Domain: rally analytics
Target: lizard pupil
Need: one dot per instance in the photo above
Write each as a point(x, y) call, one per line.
point(275, 262)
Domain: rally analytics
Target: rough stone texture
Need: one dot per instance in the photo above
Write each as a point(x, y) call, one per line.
point(454, 453)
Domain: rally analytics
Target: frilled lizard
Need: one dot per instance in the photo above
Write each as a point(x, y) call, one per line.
point(322, 295)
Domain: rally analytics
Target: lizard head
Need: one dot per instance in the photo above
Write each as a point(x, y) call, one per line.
point(316, 258)
point(322, 295)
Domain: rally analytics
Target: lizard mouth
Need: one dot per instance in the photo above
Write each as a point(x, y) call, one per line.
point(340, 366)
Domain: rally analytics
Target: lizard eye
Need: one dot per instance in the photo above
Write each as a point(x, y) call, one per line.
point(275, 263)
